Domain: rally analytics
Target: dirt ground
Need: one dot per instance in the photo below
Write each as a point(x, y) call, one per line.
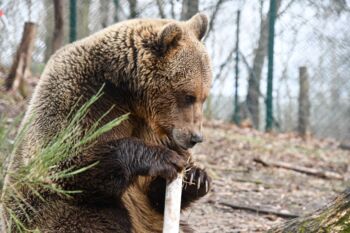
point(228, 155)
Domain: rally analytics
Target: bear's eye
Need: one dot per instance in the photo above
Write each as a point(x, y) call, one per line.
point(190, 99)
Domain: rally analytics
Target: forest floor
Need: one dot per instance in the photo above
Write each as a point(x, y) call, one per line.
point(229, 155)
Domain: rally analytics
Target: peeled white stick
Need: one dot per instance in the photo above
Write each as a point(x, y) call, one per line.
point(173, 206)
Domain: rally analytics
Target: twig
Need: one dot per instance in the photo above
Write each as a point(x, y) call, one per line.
point(304, 170)
point(213, 17)
point(344, 146)
point(221, 168)
point(259, 210)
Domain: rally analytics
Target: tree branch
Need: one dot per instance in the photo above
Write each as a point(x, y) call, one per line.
point(259, 210)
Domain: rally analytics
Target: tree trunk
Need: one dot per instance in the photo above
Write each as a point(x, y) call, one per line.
point(58, 33)
point(48, 24)
point(20, 68)
point(104, 9)
point(116, 10)
point(189, 8)
point(260, 53)
point(132, 8)
point(72, 20)
point(172, 9)
point(160, 5)
point(304, 102)
point(333, 218)
point(83, 18)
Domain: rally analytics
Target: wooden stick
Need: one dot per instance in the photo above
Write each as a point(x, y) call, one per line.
point(304, 170)
point(259, 210)
point(173, 206)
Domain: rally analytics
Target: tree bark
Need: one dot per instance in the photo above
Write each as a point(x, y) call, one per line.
point(335, 217)
point(72, 21)
point(83, 17)
point(58, 33)
point(116, 10)
point(132, 8)
point(104, 8)
point(172, 9)
point(304, 102)
point(160, 5)
point(20, 68)
point(254, 78)
point(48, 24)
point(189, 9)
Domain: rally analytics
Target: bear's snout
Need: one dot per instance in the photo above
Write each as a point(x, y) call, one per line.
point(186, 138)
point(196, 138)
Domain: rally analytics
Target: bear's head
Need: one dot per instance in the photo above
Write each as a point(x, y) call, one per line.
point(183, 74)
point(176, 74)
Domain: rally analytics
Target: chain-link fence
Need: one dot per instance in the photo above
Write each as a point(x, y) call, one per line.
point(314, 34)
point(308, 34)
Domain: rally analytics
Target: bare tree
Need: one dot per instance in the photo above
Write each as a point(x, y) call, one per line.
point(116, 10)
point(304, 103)
point(172, 8)
point(260, 53)
point(83, 18)
point(189, 8)
point(132, 9)
point(58, 33)
point(48, 24)
point(213, 16)
point(20, 69)
point(160, 5)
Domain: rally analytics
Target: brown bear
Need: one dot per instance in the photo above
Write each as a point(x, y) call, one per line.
point(158, 71)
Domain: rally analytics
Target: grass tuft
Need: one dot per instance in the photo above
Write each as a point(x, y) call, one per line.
point(40, 172)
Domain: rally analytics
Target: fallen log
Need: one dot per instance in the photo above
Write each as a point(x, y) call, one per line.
point(334, 218)
point(304, 170)
point(259, 210)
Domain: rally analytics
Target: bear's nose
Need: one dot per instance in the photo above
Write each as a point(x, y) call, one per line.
point(196, 138)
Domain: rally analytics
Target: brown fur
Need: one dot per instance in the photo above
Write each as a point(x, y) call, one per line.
point(159, 71)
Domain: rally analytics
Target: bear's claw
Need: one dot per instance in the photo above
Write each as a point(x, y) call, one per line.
point(197, 182)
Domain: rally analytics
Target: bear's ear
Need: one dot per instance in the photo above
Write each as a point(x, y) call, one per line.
point(198, 24)
point(168, 37)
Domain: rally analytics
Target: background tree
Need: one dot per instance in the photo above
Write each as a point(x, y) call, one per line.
point(49, 25)
point(189, 8)
point(83, 17)
point(132, 9)
point(72, 20)
point(254, 79)
point(58, 33)
point(116, 4)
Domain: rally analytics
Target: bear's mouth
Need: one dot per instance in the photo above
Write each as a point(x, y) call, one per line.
point(176, 139)
point(179, 138)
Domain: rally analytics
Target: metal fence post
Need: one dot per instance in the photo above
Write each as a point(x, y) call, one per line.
point(236, 114)
point(269, 98)
point(72, 20)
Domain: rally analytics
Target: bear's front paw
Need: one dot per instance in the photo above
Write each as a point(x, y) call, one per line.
point(197, 182)
point(168, 163)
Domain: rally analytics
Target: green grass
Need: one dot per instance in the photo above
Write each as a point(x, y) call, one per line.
point(41, 171)
point(8, 129)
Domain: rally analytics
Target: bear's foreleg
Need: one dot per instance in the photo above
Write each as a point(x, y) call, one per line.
point(117, 165)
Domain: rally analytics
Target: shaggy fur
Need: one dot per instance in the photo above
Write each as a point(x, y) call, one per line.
point(159, 72)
